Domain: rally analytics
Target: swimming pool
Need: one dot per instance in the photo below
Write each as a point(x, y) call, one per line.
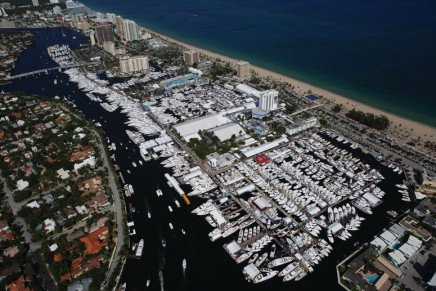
point(371, 278)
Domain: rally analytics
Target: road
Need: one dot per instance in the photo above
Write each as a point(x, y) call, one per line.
point(118, 209)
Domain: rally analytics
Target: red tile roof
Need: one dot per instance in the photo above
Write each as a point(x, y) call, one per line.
point(19, 285)
point(96, 240)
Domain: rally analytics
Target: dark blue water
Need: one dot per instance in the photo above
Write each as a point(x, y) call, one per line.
point(209, 266)
point(378, 52)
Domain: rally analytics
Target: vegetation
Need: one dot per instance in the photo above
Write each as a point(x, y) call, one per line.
point(278, 128)
point(169, 55)
point(219, 70)
point(369, 119)
point(210, 144)
point(337, 108)
point(290, 108)
point(324, 122)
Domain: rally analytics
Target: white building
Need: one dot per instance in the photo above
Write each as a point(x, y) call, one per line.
point(54, 1)
point(70, 4)
point(111, 17)
point(226, 131)
point(388, 237)
point(109, 46)
point(49, 225)
point(300, 126)
point(216, 160)
point(378, 244)
point(269, 100)
point(414, 242)
point(407, 250)
point(136, 64)
point(35, 2)
point(57, 10)
point(130, 29)
point(245, 89)
point(5, 5)
point(397, 257)
point(249, 152)
point(22, 184)
point(189, 129)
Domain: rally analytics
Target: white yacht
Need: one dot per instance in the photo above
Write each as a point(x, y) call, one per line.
point(264, 276)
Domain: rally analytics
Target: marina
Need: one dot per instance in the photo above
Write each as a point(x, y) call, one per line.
point(284, 203)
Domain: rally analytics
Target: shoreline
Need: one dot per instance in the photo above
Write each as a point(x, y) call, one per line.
point(402, 129)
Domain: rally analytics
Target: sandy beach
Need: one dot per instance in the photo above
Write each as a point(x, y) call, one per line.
point(402, 129)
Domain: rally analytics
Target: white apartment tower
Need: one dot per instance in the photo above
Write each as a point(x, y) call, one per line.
point(191, 57)
point(269, 100)
point(136, 64)
point(35, 2)
point(131, 31)
point(112, 18)
point(243, 69)
point(92, 37)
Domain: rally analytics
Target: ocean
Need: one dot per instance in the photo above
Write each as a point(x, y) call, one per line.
point(208, 265)
point(380, 53)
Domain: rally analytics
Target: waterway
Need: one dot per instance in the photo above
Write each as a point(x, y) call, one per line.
point(208, 265)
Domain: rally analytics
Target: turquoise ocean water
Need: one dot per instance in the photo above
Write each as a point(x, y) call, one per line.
point(379, 52)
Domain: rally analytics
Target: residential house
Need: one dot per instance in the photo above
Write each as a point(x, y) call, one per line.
point(70, 212)
point(81, 153)
point(5, 232)
point(91, 185)
point(19, 285)
point(11, 251)
point(100, 199)
point(96, 240)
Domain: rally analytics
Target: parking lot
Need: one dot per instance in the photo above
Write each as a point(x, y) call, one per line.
point(421, 265)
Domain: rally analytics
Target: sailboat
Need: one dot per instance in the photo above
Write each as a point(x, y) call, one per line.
point(63, 34)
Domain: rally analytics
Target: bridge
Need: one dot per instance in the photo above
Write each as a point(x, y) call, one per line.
point(50, 69)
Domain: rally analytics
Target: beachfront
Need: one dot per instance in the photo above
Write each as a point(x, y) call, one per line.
point(403, 129)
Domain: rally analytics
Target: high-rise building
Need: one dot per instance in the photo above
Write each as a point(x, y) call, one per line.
point(130, 30)
point(120, 26)
point(35, 2)
point(70, 4)
point(269, 100)
point(92, 37)
point(136, 64)
point(243, 69)
point(112, 18)
point(191, 57)
point(109, 47)
point(84, 25)
point(104, 32)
